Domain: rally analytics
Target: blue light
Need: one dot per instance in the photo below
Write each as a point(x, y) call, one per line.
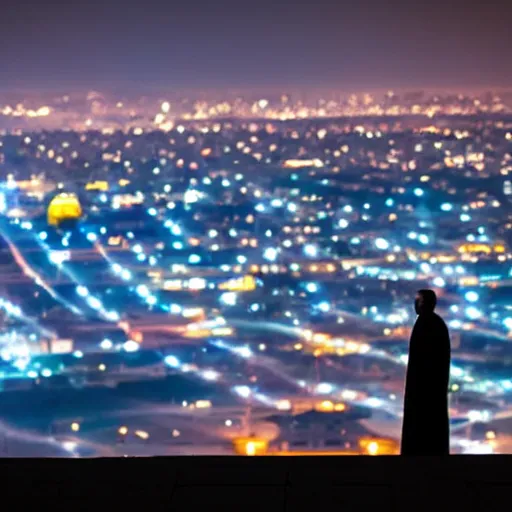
point(244, 352)
point(78, 354)
point(348, 209)
point(312, 287)
point(292, 207)
point(172, 361)
point(176, 309)
point(390, 202)
point(324, 307)
point(447, 207)
point(464, 217)
point(46, 372)
point(276, 203)
point(423, 239)
point(382, 244)
point(82, 291)
point(142, 290)
point(92, 237)
point(507, 322)
point(241, 259)
point(43, 235)
point(126, 275)
point(106, 344)
point(260, 207)
point(103, 230)
point(255, 307)
point(418, 192)
point(194, 258)
point(137, 248)
point(177, 245)
point(471, 296)
point(324, 388)
point(94, 303)
point(176, 230)
point(141, 257)
point(473, 313)
point(270, 254)
point(228, 298)
point(151, 300)
point(243, 391)
point(425, 267)
point(152, 212)
point(439, 282)
point(113, 316)
point(131, 346)
point(343, 223)
point(311, 251)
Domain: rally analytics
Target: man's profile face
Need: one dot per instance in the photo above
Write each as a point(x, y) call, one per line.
point(418, 303)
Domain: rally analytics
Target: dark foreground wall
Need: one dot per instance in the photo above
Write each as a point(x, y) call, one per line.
point(210, 484)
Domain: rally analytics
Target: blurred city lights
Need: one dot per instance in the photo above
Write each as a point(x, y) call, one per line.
point(381, 244)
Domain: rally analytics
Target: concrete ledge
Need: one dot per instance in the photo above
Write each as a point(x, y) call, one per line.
point(377, 484)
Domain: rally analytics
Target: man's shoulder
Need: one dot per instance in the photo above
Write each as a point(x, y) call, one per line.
point(438, 319)
point(430, 320)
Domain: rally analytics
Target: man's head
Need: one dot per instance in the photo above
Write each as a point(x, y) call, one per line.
point(425, 302)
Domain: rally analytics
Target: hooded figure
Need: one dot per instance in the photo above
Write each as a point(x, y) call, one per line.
point(426, 426)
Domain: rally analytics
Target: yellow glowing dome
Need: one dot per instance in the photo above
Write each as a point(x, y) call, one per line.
point(64, 207)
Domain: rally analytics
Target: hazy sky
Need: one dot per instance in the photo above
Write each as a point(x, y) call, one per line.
point(354, 43)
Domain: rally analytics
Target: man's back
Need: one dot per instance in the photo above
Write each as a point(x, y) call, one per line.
point(426, 424)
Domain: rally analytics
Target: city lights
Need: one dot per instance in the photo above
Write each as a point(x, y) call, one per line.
point(210, 264)
point(381, 244)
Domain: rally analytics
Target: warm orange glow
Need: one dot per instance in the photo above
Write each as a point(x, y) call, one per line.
point(239, 284)
point(325, 406)
point(203, 404)
point(298, 164)
point(142, 434)
point(379, 446)
point(477, 248)
point(250, 446)
point(97, 185)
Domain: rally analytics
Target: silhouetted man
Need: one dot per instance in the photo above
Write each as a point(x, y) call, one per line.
point(426, 426)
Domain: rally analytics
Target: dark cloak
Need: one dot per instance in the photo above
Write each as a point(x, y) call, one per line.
point(426, 426)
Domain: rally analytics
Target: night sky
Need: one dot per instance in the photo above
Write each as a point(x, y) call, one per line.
point(218, 43)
